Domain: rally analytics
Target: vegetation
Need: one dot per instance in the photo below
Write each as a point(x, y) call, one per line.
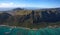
point(31, 18)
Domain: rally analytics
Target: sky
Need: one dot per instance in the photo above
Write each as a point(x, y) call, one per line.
point(30, 3)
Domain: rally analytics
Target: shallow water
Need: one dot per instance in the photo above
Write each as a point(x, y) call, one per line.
point(5, 30)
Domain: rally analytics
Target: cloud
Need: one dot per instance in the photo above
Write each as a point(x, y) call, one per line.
point(6, 5)
point(11, 4)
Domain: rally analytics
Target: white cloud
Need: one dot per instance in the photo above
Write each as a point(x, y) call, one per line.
point(6, 5)
point(11, 4)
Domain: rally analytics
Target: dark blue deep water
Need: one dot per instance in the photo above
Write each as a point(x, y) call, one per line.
point(5, 30)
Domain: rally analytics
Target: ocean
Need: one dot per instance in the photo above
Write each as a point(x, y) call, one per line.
point(6, 30)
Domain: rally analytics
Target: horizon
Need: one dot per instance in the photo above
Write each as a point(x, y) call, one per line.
point(29, 3)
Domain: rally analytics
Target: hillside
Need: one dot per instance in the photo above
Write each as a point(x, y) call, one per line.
point(31, 18)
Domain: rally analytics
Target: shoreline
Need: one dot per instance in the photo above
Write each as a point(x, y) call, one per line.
point(55, 26)
point(18, 27)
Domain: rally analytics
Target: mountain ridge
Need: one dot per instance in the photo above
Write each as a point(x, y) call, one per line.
point(28, 18)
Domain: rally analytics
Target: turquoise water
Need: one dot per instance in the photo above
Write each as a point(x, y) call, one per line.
point(4, 30)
